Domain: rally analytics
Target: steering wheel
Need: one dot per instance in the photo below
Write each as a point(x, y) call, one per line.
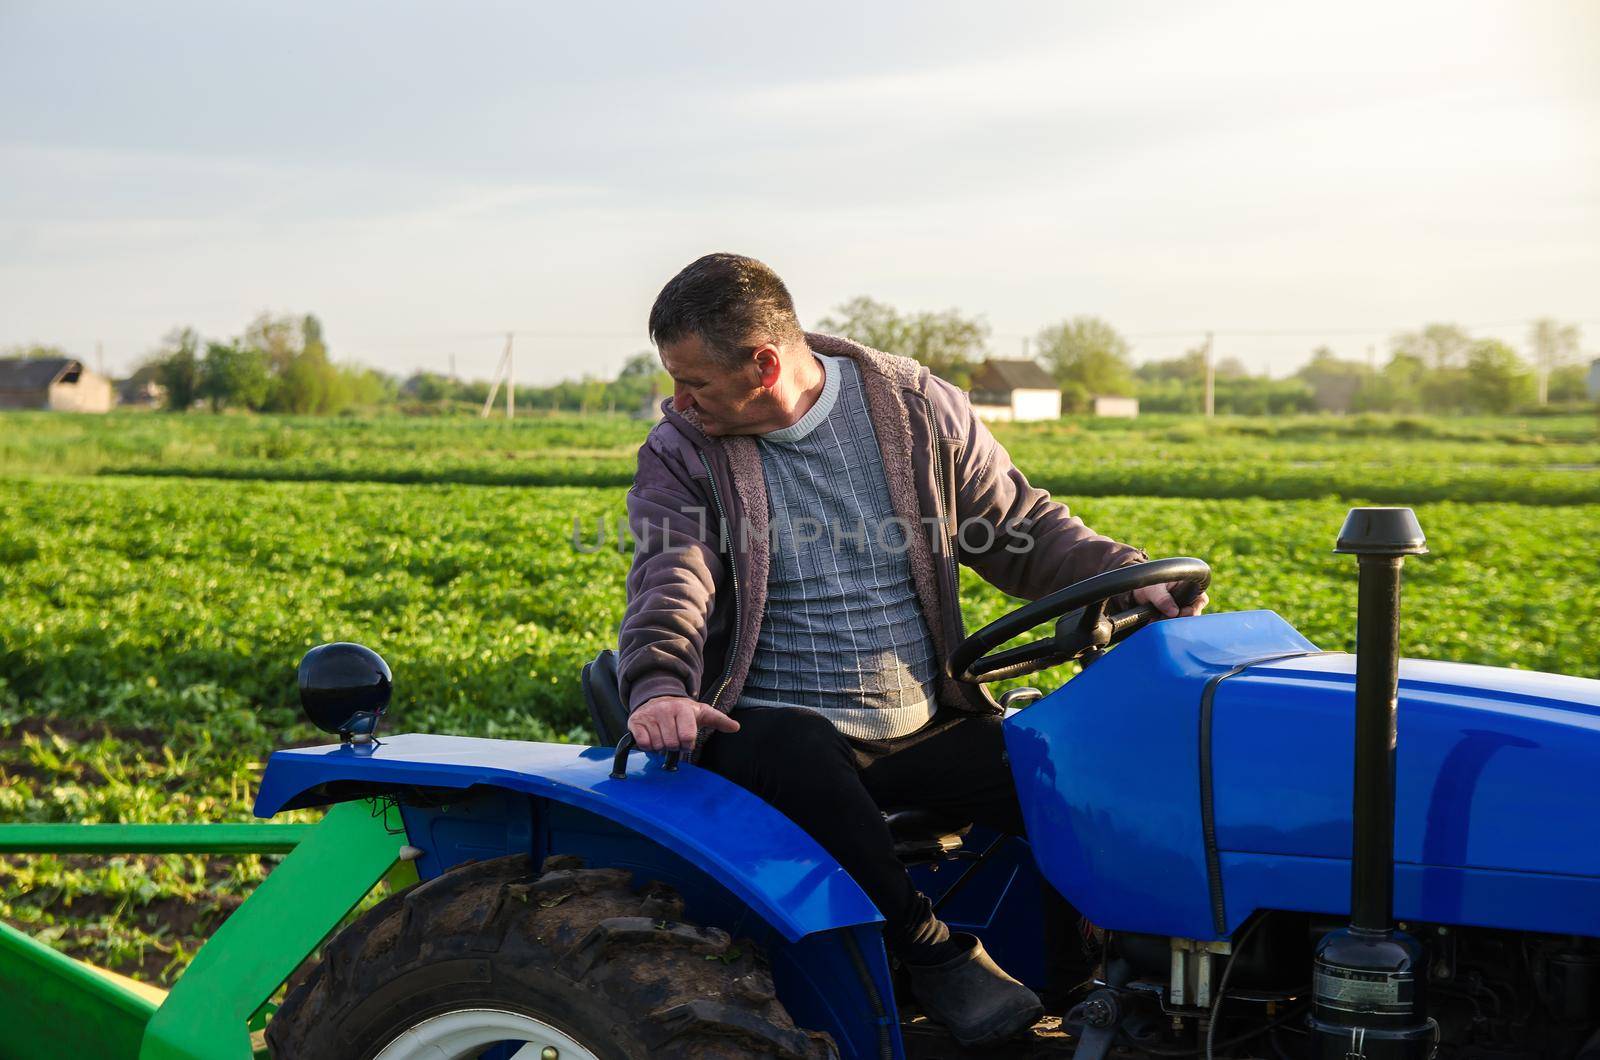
point(1083, 629)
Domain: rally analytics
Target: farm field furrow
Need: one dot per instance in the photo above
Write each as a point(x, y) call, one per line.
point(145, 602)
point(151, 625)
point(1550, 462)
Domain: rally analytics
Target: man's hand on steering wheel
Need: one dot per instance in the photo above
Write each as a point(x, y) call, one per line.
point(1084, 624)
point(1160, 598)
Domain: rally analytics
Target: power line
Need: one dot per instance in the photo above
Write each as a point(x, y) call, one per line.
point(424, 338)
point(1254, 333)
point(1251, 333)
point(427, 338)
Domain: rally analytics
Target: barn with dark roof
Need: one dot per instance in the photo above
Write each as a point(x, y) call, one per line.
point(61, 384)
point(1015, 391)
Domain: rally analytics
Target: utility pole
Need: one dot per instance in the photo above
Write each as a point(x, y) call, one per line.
point(1211, 379)
point(511, 380)
point(502, 371)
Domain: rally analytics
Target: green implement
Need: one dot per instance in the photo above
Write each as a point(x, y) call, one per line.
point(151, 838)
point(53, 1006)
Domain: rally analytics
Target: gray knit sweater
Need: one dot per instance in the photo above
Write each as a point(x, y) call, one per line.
point(843, 633)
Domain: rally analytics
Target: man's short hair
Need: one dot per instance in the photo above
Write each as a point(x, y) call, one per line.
point(730, 302)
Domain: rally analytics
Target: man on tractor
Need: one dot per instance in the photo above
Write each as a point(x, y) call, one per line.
point(798, 516)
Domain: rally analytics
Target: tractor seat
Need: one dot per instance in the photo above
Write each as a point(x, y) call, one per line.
point(925, 835)
point(919, 834)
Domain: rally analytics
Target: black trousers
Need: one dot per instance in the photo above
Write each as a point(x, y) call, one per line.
point(836, 787)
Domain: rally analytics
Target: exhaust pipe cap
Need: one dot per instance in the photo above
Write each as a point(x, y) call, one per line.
point(1381, 532)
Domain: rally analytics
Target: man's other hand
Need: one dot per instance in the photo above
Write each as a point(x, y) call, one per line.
point(669, 723)
point(1160, 598)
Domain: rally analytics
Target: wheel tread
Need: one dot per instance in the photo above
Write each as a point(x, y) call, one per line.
point(735, 1024)
point(641, 932)
point(669, 988)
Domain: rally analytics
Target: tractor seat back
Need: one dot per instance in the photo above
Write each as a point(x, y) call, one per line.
point(604, 696)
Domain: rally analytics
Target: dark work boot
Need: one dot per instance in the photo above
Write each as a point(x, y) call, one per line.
point(973, 997)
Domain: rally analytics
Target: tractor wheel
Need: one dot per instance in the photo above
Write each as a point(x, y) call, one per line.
point(493, 959)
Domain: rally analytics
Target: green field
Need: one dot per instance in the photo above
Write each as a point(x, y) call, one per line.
point(162, 575)
point(1552, 460)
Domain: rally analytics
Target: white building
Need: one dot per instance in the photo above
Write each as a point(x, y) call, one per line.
point(1014, 391)
point(1123, 407)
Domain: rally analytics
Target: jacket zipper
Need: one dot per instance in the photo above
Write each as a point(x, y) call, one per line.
point(733, 574)
point(944, 512)
point(944, 521)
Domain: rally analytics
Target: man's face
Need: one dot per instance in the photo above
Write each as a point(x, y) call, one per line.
point(729, 400)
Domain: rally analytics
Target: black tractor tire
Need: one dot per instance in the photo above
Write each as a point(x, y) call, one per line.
point(579, 949)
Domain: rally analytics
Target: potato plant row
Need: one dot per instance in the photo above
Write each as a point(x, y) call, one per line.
point(1555, 461)
point(150, 602)
point(151, 628)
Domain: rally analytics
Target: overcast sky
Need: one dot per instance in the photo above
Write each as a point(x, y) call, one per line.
point(427, 176)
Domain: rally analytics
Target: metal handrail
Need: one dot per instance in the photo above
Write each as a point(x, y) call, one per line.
point(619, 761)
point(151, 838)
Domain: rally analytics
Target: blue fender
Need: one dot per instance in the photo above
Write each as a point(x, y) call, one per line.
point(739, 864)
point(761, 856)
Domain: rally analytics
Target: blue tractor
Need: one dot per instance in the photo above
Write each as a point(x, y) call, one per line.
point(1275, 851)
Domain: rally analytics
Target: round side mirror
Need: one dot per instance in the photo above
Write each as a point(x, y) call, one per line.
point(344, 690)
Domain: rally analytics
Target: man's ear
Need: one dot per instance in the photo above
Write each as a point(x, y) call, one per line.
point(768, 367)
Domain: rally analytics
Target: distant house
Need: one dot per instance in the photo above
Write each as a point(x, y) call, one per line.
point(61, 384)
point(1594, 380)
point(142, 389)
point(1014, 391)
point(1124, 407)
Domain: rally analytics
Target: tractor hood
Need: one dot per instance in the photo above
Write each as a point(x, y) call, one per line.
point(1495, 768)
point(1203, 770)
point(1497, 782)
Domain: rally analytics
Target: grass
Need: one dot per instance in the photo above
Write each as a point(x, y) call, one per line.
point(152, 622)
point(141, 915)
point(1553, 460)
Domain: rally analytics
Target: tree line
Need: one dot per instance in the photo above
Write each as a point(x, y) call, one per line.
point(636, 389)
point(1439, 368)
point(278, 364)
point(281, 363)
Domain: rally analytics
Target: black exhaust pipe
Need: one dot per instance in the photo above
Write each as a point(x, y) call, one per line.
point(1369, 980)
